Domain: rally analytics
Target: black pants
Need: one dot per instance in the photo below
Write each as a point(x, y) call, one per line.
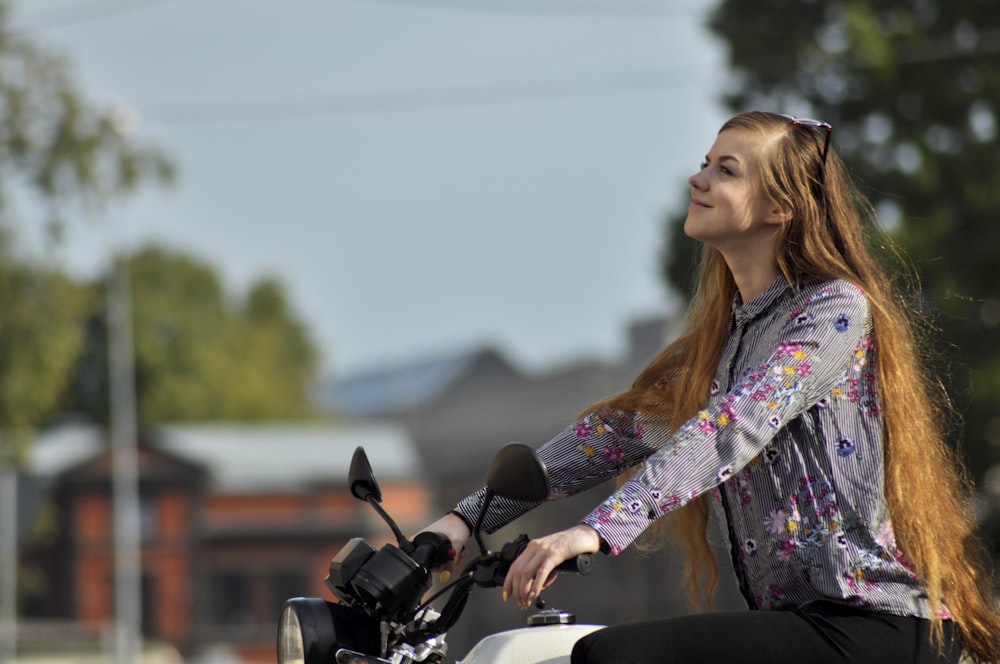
point(820, 633)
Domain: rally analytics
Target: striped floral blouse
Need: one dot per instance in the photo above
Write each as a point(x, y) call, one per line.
point(789, 446)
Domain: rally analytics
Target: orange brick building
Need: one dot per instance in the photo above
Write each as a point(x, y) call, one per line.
point(234, 519)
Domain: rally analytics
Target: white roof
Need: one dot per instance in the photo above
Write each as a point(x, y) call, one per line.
point(60, 447)
point(251, 456)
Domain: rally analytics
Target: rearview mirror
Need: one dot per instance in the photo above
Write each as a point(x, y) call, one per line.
point(517, 473)
point(362, 479)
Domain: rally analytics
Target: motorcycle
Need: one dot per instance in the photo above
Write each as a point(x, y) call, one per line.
point(383, 615)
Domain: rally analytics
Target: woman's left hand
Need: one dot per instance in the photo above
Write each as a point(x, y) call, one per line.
point(532, 572)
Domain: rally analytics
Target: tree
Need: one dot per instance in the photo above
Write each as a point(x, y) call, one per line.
point(58, 151)
point(912, 89)
point(55, 147)
point(198, 356)
point(43, 312)
point(285, 372)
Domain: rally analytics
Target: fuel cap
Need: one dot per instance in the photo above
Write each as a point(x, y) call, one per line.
point(551, 617)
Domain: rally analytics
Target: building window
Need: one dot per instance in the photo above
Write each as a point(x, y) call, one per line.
point(149, 601)
point(148, 519)
point(284, 585)
point(231, 600)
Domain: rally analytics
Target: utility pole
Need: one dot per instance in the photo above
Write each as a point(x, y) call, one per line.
point(125, 469)
point(8, 560)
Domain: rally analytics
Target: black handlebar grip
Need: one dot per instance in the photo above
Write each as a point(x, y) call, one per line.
point(580, 564)
point(431, 549)
point(577, 565)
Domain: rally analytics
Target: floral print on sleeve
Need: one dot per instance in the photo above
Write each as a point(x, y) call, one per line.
point(598, 446)
point(810, 351)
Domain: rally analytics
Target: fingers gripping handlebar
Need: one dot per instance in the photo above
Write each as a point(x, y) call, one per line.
point(491, 573)
point(580, 564)
point(489, 569)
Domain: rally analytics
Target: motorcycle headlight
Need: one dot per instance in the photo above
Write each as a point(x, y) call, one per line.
point(306, 633)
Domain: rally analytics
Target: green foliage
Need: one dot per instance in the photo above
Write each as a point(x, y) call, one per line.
point(54, 144)
point(286, 369)
point(57, 151)
point(40, 335)
point(197, 356)
point(912, 89)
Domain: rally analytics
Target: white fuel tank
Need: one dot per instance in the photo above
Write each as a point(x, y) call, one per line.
point(549, 641)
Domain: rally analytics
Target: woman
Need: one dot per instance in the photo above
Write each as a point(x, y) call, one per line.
point(795, 404)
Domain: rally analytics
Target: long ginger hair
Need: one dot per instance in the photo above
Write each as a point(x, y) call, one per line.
point(833, 234)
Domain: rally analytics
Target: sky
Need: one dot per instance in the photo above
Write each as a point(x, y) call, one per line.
point(422, 176)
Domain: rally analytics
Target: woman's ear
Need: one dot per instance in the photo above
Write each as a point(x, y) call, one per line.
point(779, 213)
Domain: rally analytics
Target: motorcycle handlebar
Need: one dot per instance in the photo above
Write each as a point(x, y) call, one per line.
point(580, 564)
point(431, 549)
point(489, 571)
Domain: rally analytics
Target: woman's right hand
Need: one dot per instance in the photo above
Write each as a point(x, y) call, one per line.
point(455, 529)
point(534, 570)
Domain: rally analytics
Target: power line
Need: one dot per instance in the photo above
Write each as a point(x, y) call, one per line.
point(413, 100)
point(77, 14)
point(535, 8)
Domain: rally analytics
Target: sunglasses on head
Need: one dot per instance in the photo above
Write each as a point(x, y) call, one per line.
point(806, 122)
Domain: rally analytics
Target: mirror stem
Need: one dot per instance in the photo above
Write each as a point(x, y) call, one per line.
point(400, 537)
point(477, 531)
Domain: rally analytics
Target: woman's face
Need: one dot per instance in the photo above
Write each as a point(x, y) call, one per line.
point(727, 211)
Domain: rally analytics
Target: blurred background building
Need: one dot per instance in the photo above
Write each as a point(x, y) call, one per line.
point(234, 520)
